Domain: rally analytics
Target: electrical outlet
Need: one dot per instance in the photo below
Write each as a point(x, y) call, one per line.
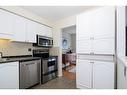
point(29, 49)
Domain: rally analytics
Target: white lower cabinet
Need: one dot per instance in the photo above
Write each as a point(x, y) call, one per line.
point(103, 75)
point(84, 74)
point(9, 75)
point(95, 74)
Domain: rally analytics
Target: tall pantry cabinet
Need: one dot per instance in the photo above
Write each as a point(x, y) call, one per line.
point(96, 48)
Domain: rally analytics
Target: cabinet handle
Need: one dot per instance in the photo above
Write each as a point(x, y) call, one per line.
point(30, 63)
point(91, 53)
point(92, 62)
point(91, 38)
point(125, 69)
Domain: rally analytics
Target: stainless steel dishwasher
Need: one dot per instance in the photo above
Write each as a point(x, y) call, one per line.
point(29, 73)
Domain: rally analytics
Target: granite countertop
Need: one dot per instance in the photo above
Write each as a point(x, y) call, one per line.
point(20, 59)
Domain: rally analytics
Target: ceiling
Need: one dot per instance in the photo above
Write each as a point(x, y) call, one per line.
point(55, 13)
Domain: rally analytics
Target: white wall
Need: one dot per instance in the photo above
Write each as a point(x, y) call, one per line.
point(58, 26)
point(73, 42)
point(57, 36)
point(121, 31)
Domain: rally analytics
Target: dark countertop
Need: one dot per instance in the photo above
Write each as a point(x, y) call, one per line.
point(20, 59)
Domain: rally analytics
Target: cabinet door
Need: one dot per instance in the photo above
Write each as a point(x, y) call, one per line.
point(103, 75)
point(84, 46)
point(104, 22)
point(31, 29)
point(104, 46)
point(83, 73)
point(48, 31)
point(98, 25)
point(6, 23)
point(19, 29)
point(41, 30)
point(121, 75)
point(9, 75)
point(84, 25)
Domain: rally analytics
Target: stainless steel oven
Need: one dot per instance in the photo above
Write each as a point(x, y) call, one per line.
point(49, 69)
point(48, 65)
point(43, 41)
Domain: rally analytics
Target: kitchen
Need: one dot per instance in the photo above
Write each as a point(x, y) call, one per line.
point(23, 50)
point(21, 28)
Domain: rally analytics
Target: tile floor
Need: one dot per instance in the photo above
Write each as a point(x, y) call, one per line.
point(58, 83)
point(68, 81)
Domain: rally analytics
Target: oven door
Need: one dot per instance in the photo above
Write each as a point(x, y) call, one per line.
point(49, 70)
point(49, 66)
point(44, 41)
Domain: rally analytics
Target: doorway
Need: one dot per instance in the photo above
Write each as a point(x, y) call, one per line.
point(69, 52)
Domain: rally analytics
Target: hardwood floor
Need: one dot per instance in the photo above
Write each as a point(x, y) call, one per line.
point(69, 75)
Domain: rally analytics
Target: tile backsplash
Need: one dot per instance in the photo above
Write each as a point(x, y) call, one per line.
point(9, 48)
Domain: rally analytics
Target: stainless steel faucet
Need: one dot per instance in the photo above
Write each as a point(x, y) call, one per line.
point(1, 54)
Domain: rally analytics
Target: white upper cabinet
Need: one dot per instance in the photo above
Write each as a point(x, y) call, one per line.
point(24, 30)
point(84, 25)
point(104, 46)
point(48, 31)
point(19, 29)
point(6, 24)
point(31, 29)
point(96, 31)
point(104, 22)
point(96, 23)
point(84, 46)
point(44, 30)
point(40, 30)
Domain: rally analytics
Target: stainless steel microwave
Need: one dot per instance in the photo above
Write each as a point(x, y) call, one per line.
point(43, 41)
